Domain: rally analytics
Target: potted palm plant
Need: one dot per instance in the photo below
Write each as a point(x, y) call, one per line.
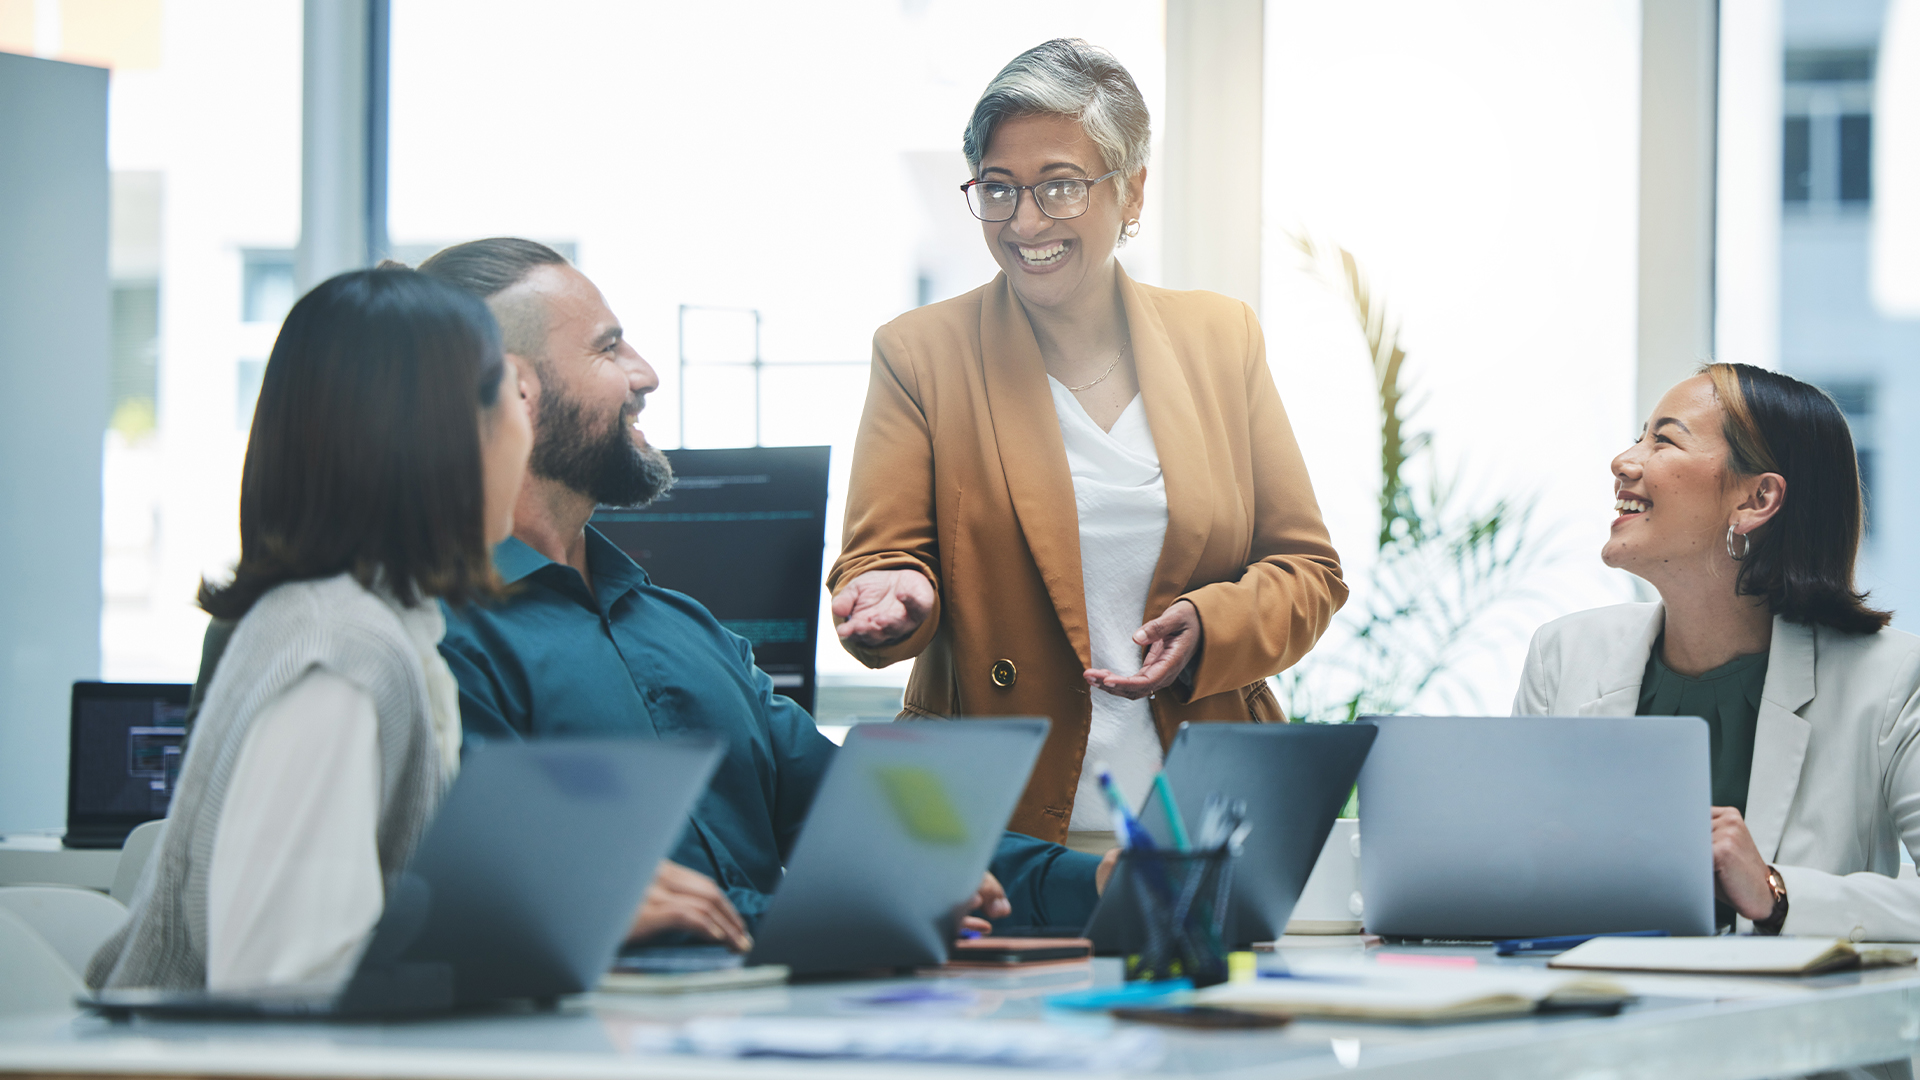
point(1442, 566)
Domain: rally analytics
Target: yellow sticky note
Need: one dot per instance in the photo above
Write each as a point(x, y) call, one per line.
point(921, 802)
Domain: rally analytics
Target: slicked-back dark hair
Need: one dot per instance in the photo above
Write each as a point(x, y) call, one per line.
point(487, 268)
point(365, 453)
point(1803, 560)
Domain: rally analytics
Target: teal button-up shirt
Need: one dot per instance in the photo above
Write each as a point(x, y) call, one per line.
point(631, 658)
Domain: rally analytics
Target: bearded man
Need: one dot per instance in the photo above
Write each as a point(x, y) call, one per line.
point(587, 644)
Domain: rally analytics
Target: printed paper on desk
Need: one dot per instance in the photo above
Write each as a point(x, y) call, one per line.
point(1016, 1043)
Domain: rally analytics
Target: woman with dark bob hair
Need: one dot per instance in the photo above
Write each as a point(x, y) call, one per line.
point(1741, 506)
point(387, 450)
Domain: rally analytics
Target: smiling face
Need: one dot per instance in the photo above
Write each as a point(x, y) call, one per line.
point(1054, 263)
point(586, 400)
point(1673, 493)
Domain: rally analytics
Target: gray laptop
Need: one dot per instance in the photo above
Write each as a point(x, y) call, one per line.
point(1294, 779)
point(523, 887)
point(903, 826)
point(1532, 826)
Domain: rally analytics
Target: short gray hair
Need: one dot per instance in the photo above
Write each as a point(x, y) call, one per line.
point(1067, 77)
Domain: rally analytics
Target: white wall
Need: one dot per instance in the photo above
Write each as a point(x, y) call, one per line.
point(53, 357)
point(1481, 159)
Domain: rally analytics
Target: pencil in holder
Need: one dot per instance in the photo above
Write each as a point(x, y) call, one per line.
point(1182, 900)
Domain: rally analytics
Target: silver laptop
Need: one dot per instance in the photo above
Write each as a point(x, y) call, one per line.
point(1532, 826)
point(902, 828)
point(1294, 779)
point(522, 888)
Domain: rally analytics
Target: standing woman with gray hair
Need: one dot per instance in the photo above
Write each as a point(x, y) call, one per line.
point(1074, 495)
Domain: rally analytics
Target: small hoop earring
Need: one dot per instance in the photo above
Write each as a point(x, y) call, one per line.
point(1746, 545)
point(1131, 229)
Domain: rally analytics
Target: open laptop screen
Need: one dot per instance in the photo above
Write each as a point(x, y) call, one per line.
point(123, 758)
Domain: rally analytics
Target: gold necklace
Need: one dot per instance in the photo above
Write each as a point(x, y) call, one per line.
point(1104, 374)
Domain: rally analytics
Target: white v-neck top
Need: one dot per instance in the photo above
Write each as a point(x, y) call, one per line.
point(1121, 499)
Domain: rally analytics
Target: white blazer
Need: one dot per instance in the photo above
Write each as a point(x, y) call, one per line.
point(1836, 754)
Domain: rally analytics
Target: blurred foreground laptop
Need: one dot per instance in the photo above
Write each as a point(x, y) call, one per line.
point(903, 826)
point(1294, 779)
point(523, 887)
point(1531, 826)
point(123, 756)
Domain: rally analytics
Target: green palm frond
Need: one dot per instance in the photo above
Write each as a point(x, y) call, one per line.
point(1440, 569)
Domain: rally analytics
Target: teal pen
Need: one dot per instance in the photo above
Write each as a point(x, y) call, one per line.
point(1179, 827)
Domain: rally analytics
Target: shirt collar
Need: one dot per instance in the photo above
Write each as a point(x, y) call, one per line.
point(515, 559)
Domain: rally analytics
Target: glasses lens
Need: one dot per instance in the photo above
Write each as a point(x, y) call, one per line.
point(1063, 198)
point(992, 202)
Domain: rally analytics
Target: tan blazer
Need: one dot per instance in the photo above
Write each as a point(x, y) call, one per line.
point(960, 473)
point(1836, 769)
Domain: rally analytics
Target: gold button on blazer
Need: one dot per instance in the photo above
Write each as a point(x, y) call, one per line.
point(960, 473)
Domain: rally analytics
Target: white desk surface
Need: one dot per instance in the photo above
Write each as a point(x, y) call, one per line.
point(40, 860)
point(1787, 1027)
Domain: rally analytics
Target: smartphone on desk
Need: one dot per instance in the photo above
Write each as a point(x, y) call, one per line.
point(997, 950)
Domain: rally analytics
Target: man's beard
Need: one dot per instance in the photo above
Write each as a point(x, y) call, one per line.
point(605, 465)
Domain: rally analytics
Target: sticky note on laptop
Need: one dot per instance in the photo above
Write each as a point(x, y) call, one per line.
point(921, 803)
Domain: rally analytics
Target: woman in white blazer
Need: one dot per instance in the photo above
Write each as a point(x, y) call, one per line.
point(1740, 504)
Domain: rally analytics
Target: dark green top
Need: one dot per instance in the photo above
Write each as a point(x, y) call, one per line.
point(1728, 698)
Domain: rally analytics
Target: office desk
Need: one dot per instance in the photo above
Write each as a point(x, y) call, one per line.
point(1821, 1023)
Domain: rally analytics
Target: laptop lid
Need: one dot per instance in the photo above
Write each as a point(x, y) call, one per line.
point(1294, 779)
point(125, 742)
point(742, 532)
point(1529, 826)
point(527, 880)
point(903, 826)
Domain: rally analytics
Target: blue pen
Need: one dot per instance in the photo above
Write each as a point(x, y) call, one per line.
point(1126, 828)
point(1522, 946)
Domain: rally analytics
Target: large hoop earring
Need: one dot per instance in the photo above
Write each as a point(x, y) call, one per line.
point(1131, 229)
point(1746, 545)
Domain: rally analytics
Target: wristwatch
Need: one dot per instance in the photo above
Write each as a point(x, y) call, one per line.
point(1778, 916)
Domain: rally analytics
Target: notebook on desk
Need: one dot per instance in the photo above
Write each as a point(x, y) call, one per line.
point(522, 888)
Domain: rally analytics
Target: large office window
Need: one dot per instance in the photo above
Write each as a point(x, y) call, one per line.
point(1830, 330)
point(1477, 161)
point(204, 144)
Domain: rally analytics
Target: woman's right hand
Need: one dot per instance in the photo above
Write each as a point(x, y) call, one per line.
point(882, 607)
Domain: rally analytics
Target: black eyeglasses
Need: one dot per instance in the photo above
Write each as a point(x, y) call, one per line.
point(1060, 199)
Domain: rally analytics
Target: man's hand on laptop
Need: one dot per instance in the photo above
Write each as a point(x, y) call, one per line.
point(990, 899)
point(683, 899)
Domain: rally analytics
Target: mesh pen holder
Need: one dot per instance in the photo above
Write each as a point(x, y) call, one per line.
point(1182, 900)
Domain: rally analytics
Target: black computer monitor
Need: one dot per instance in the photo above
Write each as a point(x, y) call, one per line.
point(742, 531)
point(123, 758)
